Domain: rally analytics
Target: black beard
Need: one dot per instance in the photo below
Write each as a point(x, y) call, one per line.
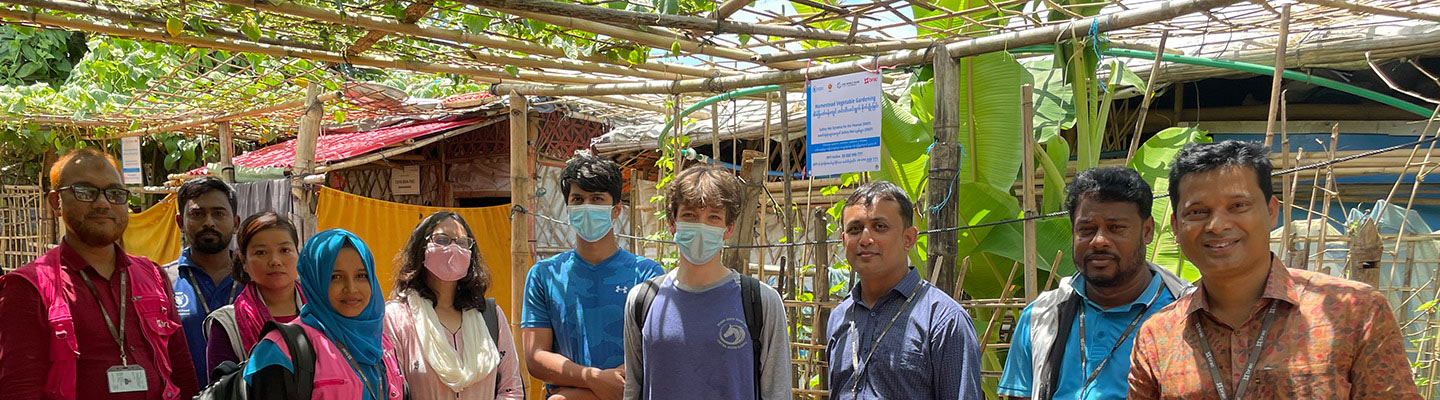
point(208, 246)
point(1124, 273)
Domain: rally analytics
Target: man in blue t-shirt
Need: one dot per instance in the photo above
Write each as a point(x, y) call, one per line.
point(688, 335)
point(205, 211)
point(1074, 342)
point(571, 322)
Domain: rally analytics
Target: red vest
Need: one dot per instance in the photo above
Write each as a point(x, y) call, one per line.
point(151, 300)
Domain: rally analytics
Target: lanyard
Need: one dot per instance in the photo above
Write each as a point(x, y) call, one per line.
point(1084, 356)
point(363, 379)
point(118, 334)
point(1249, 366)
point(855, 341)
point(190, 276)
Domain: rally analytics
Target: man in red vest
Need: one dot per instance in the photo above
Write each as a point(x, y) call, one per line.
point(86, 320)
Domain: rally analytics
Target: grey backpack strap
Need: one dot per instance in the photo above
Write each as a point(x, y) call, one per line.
point(647, 289)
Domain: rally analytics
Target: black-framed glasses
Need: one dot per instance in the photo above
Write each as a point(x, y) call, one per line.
point(446, 240)
point(87, 193)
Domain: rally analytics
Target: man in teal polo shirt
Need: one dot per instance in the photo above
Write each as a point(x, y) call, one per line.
point(1074, 342)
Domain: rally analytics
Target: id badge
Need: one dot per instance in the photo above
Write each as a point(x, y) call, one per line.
point(126, 378)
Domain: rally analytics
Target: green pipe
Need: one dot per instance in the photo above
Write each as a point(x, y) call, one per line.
point(708, 101)
point(1258, 69)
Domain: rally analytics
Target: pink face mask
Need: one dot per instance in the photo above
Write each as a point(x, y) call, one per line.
point(449, 263)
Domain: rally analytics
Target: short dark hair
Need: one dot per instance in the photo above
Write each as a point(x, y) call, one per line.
point(194, 188)
point(410, 262)
point(868, 193)
point(253, 225)
point(592, 174)
point(705, 186)
point(1205, 157)
point(1109, 184)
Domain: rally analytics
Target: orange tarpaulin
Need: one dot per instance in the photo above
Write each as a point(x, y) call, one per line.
point(386, 226)
point(153, 233)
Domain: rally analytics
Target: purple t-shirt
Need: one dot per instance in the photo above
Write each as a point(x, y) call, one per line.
point(697, 343)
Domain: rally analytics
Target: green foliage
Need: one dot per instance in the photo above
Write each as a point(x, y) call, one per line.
point(957, 24)
point(834, 24)
point(29, 55)
point(1152, 160)
point(989, 111)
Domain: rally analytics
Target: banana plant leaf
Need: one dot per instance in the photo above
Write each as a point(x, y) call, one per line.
point(1152, 160)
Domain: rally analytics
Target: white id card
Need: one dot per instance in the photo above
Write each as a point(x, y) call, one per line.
point(126, 378)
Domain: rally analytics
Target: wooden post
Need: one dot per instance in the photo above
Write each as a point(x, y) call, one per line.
point(306, 137)
point(1144, 104)
point(1288, 190)
point(1279, 72)
point(715, 135)
point(1366, 249)
point(635, 198)
point(788, 214)
point(753, 170)
point(819, 234)
point(519, 223)
point(944, 168)
point(1027, 138)
point(227, 152)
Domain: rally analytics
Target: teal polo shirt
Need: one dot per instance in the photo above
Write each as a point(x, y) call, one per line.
point(1102, 329)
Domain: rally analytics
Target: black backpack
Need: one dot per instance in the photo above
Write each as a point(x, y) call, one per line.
point(229, 382)
point(749, 300)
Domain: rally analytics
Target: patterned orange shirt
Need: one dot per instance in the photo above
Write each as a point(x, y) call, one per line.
point(1332, 339)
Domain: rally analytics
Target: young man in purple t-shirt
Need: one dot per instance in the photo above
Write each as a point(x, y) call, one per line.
point(692, 338)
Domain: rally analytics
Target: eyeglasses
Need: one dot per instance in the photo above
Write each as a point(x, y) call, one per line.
point(88, 193)
point(446, 240)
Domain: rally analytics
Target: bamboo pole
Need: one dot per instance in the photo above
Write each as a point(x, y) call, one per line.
point(519, 222)
point(124, 16)
point(715, 135)
point(1277, 78)
point(483, 41)
point(1149, 95)
point(944, 170)
point(323, 98)
point(1329, 191)
point(787, 174)
point(227, 152)
point(280, 51)
point(1367, 9)
point(1027, 140)
point(728, 8)
point(646, 38)
point(626, 17)
point(963, 48)
point(306, 137)
point(1287, 188)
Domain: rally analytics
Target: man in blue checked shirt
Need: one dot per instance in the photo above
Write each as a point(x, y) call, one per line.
point(896, 336)
point(1074, 342)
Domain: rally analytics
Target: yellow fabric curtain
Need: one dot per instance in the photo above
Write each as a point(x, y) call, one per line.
point(386, 226)
point(153, 233)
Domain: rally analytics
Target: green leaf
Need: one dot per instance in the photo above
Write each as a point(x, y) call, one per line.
point(989, 112)
point(849, 178)
point(250, 28)
point(170, 160)
point(198, 24)
point(1152, 160)
point(174, 26)
point(28, 69)
point(829, 190)
point(1052, 96)
point(514, 72)
point(744, 39)
point(1057, 158)
point(674, 48)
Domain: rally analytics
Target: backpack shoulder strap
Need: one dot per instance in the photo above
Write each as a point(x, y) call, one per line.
point(302, 356)
point(492, 320)
point(647, 289)
point(754, 320)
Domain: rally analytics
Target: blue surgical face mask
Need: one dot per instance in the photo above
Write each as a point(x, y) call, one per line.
point(591, 221)
point(699, 243)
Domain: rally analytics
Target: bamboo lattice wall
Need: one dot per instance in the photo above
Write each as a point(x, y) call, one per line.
point(24, 225)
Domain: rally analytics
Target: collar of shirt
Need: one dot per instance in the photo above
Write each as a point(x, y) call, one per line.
point(903, 288)
point(578, 260)
point(210, 286)
point(70, 259)
point(1156, 284)
point(1279, 285)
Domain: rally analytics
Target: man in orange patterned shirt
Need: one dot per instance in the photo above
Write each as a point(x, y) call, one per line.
point(1255, 329)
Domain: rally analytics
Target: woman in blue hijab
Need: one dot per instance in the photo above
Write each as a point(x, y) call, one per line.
point(353, 360)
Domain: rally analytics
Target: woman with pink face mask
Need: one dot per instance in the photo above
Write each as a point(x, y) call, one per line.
point(438, 318)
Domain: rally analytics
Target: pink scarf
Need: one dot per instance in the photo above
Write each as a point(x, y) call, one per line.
point(251, 314)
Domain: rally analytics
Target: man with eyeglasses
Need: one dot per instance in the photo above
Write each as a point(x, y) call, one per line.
point(86, 320)
point(205, 212)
